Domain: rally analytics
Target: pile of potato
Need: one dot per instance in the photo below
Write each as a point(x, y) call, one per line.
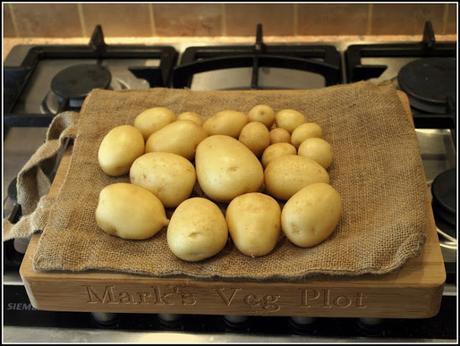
point(267, 170)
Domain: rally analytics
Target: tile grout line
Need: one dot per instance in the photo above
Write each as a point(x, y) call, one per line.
point(444, 18)
point(82, 19)
point(369, 19)
point(224, 22)
point(13, 20)
point(152, 20)
point(296, 19)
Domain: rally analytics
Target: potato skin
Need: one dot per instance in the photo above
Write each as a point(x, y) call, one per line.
point(318, 150)
point(168, 176)
point(197, 230)
point(287, 174)
point(153, 119)
point(192, 116)
point(311, 215)
point(279, 135)
point(255, 136)
point(289, 119)
point(129, 211)
point(227, 122)
point(263, 114)
point(254, 223)
point(276, 150)
point(226, 168)
point(304, 131)
point(119, 148)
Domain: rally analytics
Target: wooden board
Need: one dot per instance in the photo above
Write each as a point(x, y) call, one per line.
point(414, 291)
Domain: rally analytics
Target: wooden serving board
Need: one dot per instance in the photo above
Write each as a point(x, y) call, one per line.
point(414, 291)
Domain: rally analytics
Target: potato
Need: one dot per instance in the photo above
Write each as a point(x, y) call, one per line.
point(318, 150)
point(279, 135)
point(119, 148)
point(192, 116)
point(168, 176)
point(263, 114)
point(289, 119)
point(153, 119)
point(226, 168)
point(287, 174)
point(229, 123)
point(254, 223)
point(197, 230)
point(129, 211)
point(180, 137)
point(255, 136)
point(304, 131)
point(311, 215)
point(277, 150)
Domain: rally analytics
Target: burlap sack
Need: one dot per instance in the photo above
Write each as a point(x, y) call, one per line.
point(377, 169)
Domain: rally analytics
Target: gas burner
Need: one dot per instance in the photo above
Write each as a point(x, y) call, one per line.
point(430, 84)
point(443, 203)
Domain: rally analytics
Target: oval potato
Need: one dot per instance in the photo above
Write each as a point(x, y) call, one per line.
point(255, 136)
point(226, 168)
point(279, 135)
point(254, 223)
point(197, 230)
point(153, 119)
point(311, 215)
point(289, 119)
point(304, 131)
point(119, 148)
point(229, 123)
point(287, 174)
point(318, 150)
point(168, 176)
point(129, 211)
point(180, 137)
point(276, 150)
point(263, 114)
point(192, 116)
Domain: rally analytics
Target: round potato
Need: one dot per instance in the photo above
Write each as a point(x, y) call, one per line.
point(180, 137)
point(197, 230)
point(318, 150)
point(119, 148)
point(279, 135)
point(287, 174)
point(304, 131)
point(192, 116)
point(255, 136)
point(277, 150)
point(168, 176)
point(153, 119)
point(229, 123)
point(311, 215)
point(289, 119)
point(129, 211)
point(254, 223)
point(263, 114)
point(226, 168)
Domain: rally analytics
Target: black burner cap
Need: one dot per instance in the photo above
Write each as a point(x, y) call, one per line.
point(443, 191)
point(430, 80)
point(75, 82)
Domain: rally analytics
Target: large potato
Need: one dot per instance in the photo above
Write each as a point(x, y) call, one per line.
point(287, 174)
point(129, 211)
point(311, 215)
point(197, 230)
point(289, 119)
point(180, 137)
point(192, 116)
point(279, 135)
point(153, 119)
point(254, 223)
point(263, 114)
point(304, 131)
point(119, 148)
point(229, 123)
point(225, 168)
point(255, 136)
point(168, 176)
point(277, 150)
point(318, 150)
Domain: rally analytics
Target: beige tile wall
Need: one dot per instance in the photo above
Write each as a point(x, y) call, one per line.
point(142, 20)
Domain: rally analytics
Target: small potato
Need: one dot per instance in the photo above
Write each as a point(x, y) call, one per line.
point(119, 148)
point(289, 119)
point(263, 114)
point(197, 230)
point(180, 137)
point(304, 131)
point(254, 223)
point(287, 174)
point(129, 211)
point(255, 136)
point(279, 135)
point(311, 215)
point(192, 116)
point(168, 176)
point(153, 119)
point(229, 123)
point(277, 150)
point(318, 150)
